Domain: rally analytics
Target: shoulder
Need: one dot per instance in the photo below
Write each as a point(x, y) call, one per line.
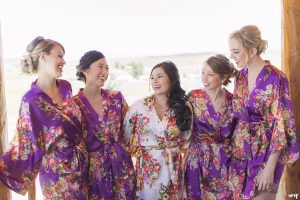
point(65, 88)
point(113, 93)
point(241, 72)
point(278, 73)
point(31, 99)
point(78, 98)
point(64, 84)
point(145, 101)
point(141, 104)
point(276, 77)
point(32, 95)
point(29, 96)
point(198, 93)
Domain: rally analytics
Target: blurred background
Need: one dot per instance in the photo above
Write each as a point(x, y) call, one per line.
point(134, 35)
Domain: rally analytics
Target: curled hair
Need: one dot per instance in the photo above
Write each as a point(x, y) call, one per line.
point(85, 62)
point(176, 99)
point(30, 62)
point(250, 37)
point(223, 67)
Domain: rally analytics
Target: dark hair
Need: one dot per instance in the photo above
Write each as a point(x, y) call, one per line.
point(85, 62)
point(222, 66)
point(176, 98)
point(30, 62)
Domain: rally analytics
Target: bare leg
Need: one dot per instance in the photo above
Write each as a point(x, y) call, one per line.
point(264, 195)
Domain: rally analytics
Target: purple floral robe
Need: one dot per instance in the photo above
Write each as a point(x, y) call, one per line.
point(111, 172)
point(265, 125)
point(210, 150)
point(48, 141)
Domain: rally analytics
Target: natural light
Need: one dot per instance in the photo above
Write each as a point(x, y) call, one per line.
point(129, 33)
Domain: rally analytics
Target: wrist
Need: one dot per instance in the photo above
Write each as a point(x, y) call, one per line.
point(270, 168)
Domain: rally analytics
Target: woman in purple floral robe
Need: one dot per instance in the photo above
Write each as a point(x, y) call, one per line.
point(111, 172)
point(210, 150)
point(49, 137)
point(264, 139)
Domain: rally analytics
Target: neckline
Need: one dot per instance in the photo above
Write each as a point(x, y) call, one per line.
point(94, 114)
point(60, 89)
point(155, 111)
point(224, 100)
point(256, 79)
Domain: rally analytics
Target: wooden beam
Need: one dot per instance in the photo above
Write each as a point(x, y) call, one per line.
point(291, 67)
point(4, 191)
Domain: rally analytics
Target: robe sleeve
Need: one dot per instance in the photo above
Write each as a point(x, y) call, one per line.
point(20, 165)
point(124, 107)
point(284, 132)
point(129, 124)
point(130, 127)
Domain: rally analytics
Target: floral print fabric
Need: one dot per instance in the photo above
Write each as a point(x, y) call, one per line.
point(48, 141)
point(265, 125)
point(156, 145)
point(210, 150)
point(111, 172)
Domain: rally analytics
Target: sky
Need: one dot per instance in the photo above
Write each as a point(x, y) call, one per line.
point(130, 28)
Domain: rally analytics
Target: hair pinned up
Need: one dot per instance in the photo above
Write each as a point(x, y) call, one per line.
point(250, 37)
point(30, 62)
point(86, 60)
point(222, 66)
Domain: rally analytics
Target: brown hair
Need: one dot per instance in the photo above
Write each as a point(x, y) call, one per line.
point(222, 66)
point(30, 62)
point(85, 62)
point(250, 37)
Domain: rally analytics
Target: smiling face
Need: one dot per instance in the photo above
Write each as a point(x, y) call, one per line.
point(210, 79)
point(97, 73)
point(52, 63)
point(160, 81)
point(238, 53)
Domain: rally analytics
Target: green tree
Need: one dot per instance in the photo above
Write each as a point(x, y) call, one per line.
point(137, 69)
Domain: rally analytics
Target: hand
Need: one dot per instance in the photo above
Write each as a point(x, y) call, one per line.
point(265, 179)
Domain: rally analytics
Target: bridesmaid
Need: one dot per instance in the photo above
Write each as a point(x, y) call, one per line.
point(111, 172)
point(210, 150)
point(264, 140)
point(158, 130)
point(49, 137)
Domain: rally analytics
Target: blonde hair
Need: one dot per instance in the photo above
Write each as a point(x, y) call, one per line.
point(30, 62)
point(250, 37)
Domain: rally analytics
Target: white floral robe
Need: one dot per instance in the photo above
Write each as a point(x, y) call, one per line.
point(156, 145)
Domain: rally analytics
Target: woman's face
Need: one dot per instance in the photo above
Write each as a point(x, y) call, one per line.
point(52, 63)
point(238, 53)
point(160, 81)
point(97, 73)
point(210, 79)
